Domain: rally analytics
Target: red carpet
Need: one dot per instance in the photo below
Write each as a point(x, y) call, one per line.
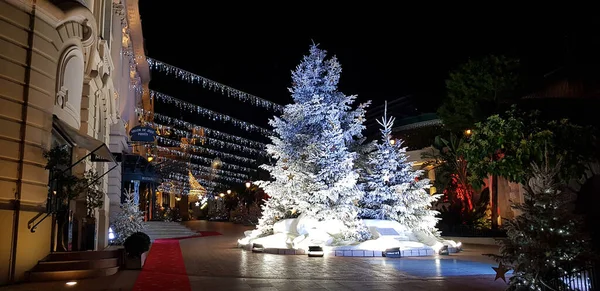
point(164, 269)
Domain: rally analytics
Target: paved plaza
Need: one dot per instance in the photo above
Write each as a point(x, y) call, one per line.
point(215, 263)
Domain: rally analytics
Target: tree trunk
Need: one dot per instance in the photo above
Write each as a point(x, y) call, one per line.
point(494, 201)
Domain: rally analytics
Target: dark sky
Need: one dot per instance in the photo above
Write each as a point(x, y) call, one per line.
point(383, 56)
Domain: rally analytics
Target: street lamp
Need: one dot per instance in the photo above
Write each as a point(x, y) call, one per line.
point(228, 191)
point(468, 132)
point(248, 184)
point(222, 195)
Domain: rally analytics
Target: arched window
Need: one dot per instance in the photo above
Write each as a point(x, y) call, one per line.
point(67, 105)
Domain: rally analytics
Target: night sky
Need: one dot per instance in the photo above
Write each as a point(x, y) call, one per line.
point(384, 58)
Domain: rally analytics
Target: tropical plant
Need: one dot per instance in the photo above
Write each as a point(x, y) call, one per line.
point(505, 146)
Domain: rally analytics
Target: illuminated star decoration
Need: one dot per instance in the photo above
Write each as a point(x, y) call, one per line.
point(501, 272)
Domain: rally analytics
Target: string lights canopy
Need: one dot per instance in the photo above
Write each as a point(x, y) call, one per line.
point(213, 85)
point(207, 112)
point(170, 122)
point(200, 149)
point(198, 169)
point(185, 155)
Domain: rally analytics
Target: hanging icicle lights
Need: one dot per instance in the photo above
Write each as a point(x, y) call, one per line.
point(207, 112)
point(237, 143)
point(204, 139)
point(200, 169)
point(212, 85)
point(203, 150)
point(179, 153)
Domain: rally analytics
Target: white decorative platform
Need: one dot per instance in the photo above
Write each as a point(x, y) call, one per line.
point(295, 236)
point(349, 251)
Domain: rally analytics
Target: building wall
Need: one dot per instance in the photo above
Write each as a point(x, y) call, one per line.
point(71, 66)
point(28, 99)
point(129, 59)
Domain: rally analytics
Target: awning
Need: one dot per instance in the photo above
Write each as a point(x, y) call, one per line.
point(96, 147)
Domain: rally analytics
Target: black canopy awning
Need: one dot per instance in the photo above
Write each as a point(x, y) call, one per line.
point(96, 147)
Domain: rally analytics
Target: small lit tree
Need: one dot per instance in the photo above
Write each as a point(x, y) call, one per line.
point(129, 220)
point(546, 241)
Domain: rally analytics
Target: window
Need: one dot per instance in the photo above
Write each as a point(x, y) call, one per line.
point(107, 21)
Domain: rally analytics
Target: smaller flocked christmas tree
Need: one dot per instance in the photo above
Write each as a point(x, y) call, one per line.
point(129, 220)
point(393, 189)
point(546, 241)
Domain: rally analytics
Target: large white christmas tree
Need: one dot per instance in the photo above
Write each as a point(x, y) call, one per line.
point(314, 173)
point(393, 189)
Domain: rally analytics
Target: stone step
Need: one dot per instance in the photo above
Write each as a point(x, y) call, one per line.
point(163, 230)
point(48, 266)
point(163, 235)
point(152, 238)
point(35, 276)
point(168, 230)
point(84, 255)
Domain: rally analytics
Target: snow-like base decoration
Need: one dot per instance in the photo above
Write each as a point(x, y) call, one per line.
point(294, 236)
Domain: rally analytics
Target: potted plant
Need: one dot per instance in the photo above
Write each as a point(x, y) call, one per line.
point(136, 246)
point(94, 199)
point(63, 187)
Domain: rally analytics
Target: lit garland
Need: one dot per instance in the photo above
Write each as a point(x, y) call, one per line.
point(201, 168)
point(216, 177)
point(204, 159)
point(199, 149)
point(209, 182)
point(180, 186)
point(207, 112)
point(212, 85)
point(205, 139)
point(197, 128)
point(185, 178)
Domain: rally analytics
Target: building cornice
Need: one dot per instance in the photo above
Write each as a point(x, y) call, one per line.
point(137, 39)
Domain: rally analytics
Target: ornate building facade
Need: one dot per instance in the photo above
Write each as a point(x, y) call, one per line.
point(71, 74)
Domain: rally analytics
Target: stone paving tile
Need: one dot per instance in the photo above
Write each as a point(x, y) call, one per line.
point(123, 280)
point(215, 263)
point(219, 257)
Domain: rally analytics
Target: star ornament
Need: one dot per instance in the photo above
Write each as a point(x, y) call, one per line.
point(501, 272)
point(290, 176)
